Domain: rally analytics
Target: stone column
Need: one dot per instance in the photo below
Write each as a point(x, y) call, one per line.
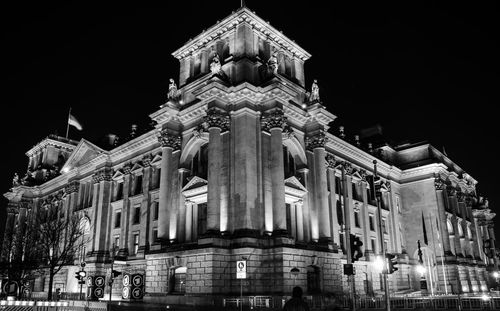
point(125, 244)
point(217, 122)
point(102, 194)
point(306, 217)
point(316, 144)
point(189, 220)
point(334, 225)
point(12, 211)
point(169, 143)
point(274, 124)
point(452, 199)
point(145, 224)
point(441, 214)
point(491, 232)
point(300, 220)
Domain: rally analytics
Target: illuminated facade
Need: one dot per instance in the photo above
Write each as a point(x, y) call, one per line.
point(241, 165)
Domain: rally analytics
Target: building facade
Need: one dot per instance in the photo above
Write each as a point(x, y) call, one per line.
point(242, 165)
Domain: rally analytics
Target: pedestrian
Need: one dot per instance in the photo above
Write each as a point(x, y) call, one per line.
point(296, 303)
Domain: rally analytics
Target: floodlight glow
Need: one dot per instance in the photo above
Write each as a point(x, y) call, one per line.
point(378, 264)
point(495, 274)
point(420, 269)
point(485, 297)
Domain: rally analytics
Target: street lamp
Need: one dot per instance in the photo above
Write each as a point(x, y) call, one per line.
point(379, 264)
point(496, 275)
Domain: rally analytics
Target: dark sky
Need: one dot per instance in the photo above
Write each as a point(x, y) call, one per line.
point(423, 72)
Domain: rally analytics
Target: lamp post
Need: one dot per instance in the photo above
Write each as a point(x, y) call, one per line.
point(421, 268)
point(112, 276)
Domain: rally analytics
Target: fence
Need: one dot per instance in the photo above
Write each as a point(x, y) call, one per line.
point(26, 305)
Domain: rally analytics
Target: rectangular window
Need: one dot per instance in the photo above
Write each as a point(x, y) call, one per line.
point(138, 184)
point(372, 223)
point(338, 186)
point(155, 235)
point(342, 244)
point(137, 214)
point(386, 246)
point(119, 191)
point(384, 229)
point(117, 241)
point(374, 245)
point(356, 219)
point(398, 204)
point(156, 210)
point(136, 243)
point(118, 219)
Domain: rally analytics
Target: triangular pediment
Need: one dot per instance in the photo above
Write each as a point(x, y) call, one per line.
point(84, 152)
point(156, 158)
point(137, 166)
point(293, 182)
point(195, 182)
point(118, 175)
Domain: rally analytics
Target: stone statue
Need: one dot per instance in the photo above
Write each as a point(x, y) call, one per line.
point(215, 66)
point(314, 97)
point(272, 63)
point(172, 90)
point(15, 180)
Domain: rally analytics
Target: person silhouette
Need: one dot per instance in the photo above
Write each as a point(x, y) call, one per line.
point(296, 303)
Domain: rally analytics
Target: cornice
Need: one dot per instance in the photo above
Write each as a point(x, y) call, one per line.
point(141, 143)
point(49, 142)
point(243, 15)
point(347, 152)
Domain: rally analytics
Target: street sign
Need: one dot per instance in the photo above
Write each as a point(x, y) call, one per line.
point(126, 280)
point(99, 281)
point(241, 269)
point(126, 292)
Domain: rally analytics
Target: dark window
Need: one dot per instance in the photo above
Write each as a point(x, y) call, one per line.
point(155, 235)
point(136, 243)
point(356, 219)
point(155, 182)
point(156, 210)
point(313, 282)
point(137, 214)
point(372, 223)
point(119, 191)
point(199, 164)
point(342, 244)
point(338, 186)
point(340, 214)
point(384, 229)
point(138, 184)
point(202, 218)
point(180, 280)
point(118, 219)
point(374, 246)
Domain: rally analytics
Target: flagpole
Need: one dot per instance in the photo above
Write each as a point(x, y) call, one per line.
point(67, 123)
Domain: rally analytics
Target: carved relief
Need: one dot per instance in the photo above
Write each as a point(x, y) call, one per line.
point(72, 187)
point(438, 182)
point(104, 174)
point(146, 160)
point(127, 168)
point(216, 118)
point(348, 169)
point(317, 141)
point(330, 161)
point(288, 132)
point(275, 119)
point(460, 195)
point(169, 140)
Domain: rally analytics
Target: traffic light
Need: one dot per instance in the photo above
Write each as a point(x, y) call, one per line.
point(80, 276)
point(115, 274)
point(392, 260)
point(356, 251)
point(77, 276)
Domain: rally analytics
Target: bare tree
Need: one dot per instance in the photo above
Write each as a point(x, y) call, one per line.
point(59, 236)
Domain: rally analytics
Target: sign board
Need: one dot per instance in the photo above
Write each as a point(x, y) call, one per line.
point(126, 293)
point(241, 269)
point(99, 281)
point(126, 280)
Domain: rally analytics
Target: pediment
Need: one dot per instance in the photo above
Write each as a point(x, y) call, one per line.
point(293, 182)
point(84, 152)
point(137, 166)
point(118, 175)
point(156, 159)
point(195, 182)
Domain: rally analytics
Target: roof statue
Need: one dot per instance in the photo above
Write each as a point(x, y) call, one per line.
point(314, 97)
point(173, 93)
point(215, 66)
point(272, 63)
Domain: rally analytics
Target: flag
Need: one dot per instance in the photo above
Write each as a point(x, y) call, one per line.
point(426, 241)
point(74, 122)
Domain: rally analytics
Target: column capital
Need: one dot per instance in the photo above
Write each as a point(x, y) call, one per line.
point(218, 119)
point(167, 139)
point(146, 160)
point(13, 208)
point(348, 169)
point(275, 119)
point(330, 161)
point(438, 183)
point(317, 140)
point(451, 191)
point(127, 168)
point(460, 195)
point(104, 174)
point(72, 187)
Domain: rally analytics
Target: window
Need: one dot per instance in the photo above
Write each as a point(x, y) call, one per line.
point(340, 214)
point(155, 182)
point(356, 219)
point(118, 219)
point(180, 280)
point(137, 214)
point(338, 186)
point(372, 223)
point(138, 185)
point(398, 204)
point(119, 191)
point(202, 218)
point(341, 239)
point(384, 229)
point(401, 236)
point(386, 246)
point(291, 220)
point(155, 235)
point(136, 243)
point(156, 210)
point(117, 241)
point(374, 245)
point(313, 285)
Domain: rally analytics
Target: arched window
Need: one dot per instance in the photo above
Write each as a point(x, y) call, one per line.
point(199, 163)
point(313, 280)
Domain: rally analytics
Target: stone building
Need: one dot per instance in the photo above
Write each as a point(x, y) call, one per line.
point(242, 165)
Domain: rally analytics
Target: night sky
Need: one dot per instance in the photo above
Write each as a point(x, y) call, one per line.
point(422, 72)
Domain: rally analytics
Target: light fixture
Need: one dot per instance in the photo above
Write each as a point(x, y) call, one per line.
point(378, 264)
point(420, 269)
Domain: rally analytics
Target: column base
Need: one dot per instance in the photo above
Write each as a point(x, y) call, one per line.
point(211, 233)
point(251, 233)
point(280, 233)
